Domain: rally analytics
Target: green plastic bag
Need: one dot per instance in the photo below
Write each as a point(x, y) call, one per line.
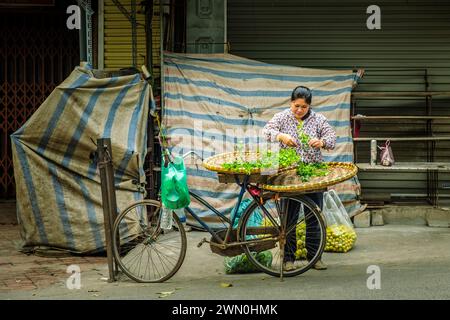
point(241, 264)
point(174, 188)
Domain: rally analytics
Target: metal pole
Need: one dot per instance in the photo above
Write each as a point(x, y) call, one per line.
point(161, 53)
point(148, 38)
point(108, 199)
point(134, 33)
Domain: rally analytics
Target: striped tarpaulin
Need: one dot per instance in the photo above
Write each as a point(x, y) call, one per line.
point(213, 101)
point(59, 201)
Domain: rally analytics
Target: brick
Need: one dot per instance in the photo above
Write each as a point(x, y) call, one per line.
point(438, 218)
point(377, 218)
point(362, 220)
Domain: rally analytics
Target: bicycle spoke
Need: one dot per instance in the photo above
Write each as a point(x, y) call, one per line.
point(161, 259)
point(164, 254)
point(154, 267)
point(129, 257)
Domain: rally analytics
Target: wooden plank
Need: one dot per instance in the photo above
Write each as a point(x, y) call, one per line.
point(384, 94)
point(407, 166)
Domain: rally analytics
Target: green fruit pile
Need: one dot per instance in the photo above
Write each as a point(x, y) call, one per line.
point(340, 238)
point(300, 233)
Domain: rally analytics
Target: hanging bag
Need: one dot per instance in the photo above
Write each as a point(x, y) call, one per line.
point(386, 155)
point(174, 188)
point(341, 236)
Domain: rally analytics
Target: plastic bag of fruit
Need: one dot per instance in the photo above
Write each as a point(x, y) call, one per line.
point(341, 236)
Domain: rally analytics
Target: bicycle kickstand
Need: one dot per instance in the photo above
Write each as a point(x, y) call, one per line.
point(202, 242)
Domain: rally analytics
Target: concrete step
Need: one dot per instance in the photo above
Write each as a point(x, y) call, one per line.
point(413, 215)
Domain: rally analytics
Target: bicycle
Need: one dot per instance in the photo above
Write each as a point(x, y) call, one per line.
point(152, 254)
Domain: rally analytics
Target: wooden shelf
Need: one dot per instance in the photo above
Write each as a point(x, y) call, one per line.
point(405, 94)
point(427, 97)
point(368, 118)
point(443, 138)
point(407, 166)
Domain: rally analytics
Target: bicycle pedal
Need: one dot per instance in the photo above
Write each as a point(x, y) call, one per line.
point(202, 242)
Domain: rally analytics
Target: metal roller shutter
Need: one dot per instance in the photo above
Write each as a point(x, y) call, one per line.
point(117, 37)
point(414, 42)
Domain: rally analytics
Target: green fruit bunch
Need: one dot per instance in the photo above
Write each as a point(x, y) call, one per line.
point(340, 238)
point(300, 233)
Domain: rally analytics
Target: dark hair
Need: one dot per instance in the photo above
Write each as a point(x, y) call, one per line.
point(302, 92)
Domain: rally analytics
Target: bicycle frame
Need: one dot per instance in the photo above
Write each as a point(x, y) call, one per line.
point(225, 242)
point(206, 204)
point(244, 185)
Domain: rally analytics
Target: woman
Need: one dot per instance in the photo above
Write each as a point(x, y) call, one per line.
point(283, 128)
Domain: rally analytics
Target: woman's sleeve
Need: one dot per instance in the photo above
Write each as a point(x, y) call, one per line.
point(328, 135)
point(272, 128)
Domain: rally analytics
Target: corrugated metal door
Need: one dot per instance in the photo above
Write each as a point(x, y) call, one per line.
point(37, 52)
point(412, 46)
point(118, 36)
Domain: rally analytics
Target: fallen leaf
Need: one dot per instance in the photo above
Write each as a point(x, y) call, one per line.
point(104, 279)
point(164, 294)
point(93, 291)
point(95, 295)
point(226, 285)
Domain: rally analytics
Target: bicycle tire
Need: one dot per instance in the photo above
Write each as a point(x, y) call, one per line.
point(275, 268)
point(148, 237)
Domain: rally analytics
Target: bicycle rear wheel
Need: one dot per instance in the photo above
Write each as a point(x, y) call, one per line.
point(144, 251)
point(285, 219)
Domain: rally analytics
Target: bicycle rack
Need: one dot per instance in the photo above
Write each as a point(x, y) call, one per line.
point(109, 203)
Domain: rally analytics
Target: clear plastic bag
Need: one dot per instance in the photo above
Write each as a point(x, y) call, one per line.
point(386, 154)
point(166, 218)
point(341, 236)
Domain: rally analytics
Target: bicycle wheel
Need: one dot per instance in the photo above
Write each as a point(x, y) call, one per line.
point(285, 219)
point(144, 251)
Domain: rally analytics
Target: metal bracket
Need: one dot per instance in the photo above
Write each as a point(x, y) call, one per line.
point(86, 5)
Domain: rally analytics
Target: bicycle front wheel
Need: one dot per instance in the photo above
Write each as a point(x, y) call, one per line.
point(143, 250)
point(296, 228)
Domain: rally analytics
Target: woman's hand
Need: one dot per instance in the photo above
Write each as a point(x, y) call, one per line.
point(316, 143)
point(287, 139)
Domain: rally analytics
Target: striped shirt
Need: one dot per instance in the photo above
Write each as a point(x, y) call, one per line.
point(315, 126)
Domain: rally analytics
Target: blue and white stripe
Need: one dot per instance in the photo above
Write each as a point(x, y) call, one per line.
point(211, 101)
point(58, 190)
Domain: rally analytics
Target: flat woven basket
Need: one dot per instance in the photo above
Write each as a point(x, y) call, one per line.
point(289, 181)
point(215, 163)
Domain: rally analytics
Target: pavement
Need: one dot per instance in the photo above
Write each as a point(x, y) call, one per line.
point(387, 262)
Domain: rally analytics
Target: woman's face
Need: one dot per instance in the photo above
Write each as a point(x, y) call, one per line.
point(299, 107)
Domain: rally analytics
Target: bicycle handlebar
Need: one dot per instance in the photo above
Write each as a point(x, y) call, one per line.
point(193, 153)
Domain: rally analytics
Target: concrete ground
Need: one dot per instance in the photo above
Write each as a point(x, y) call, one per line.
point(414, 263)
